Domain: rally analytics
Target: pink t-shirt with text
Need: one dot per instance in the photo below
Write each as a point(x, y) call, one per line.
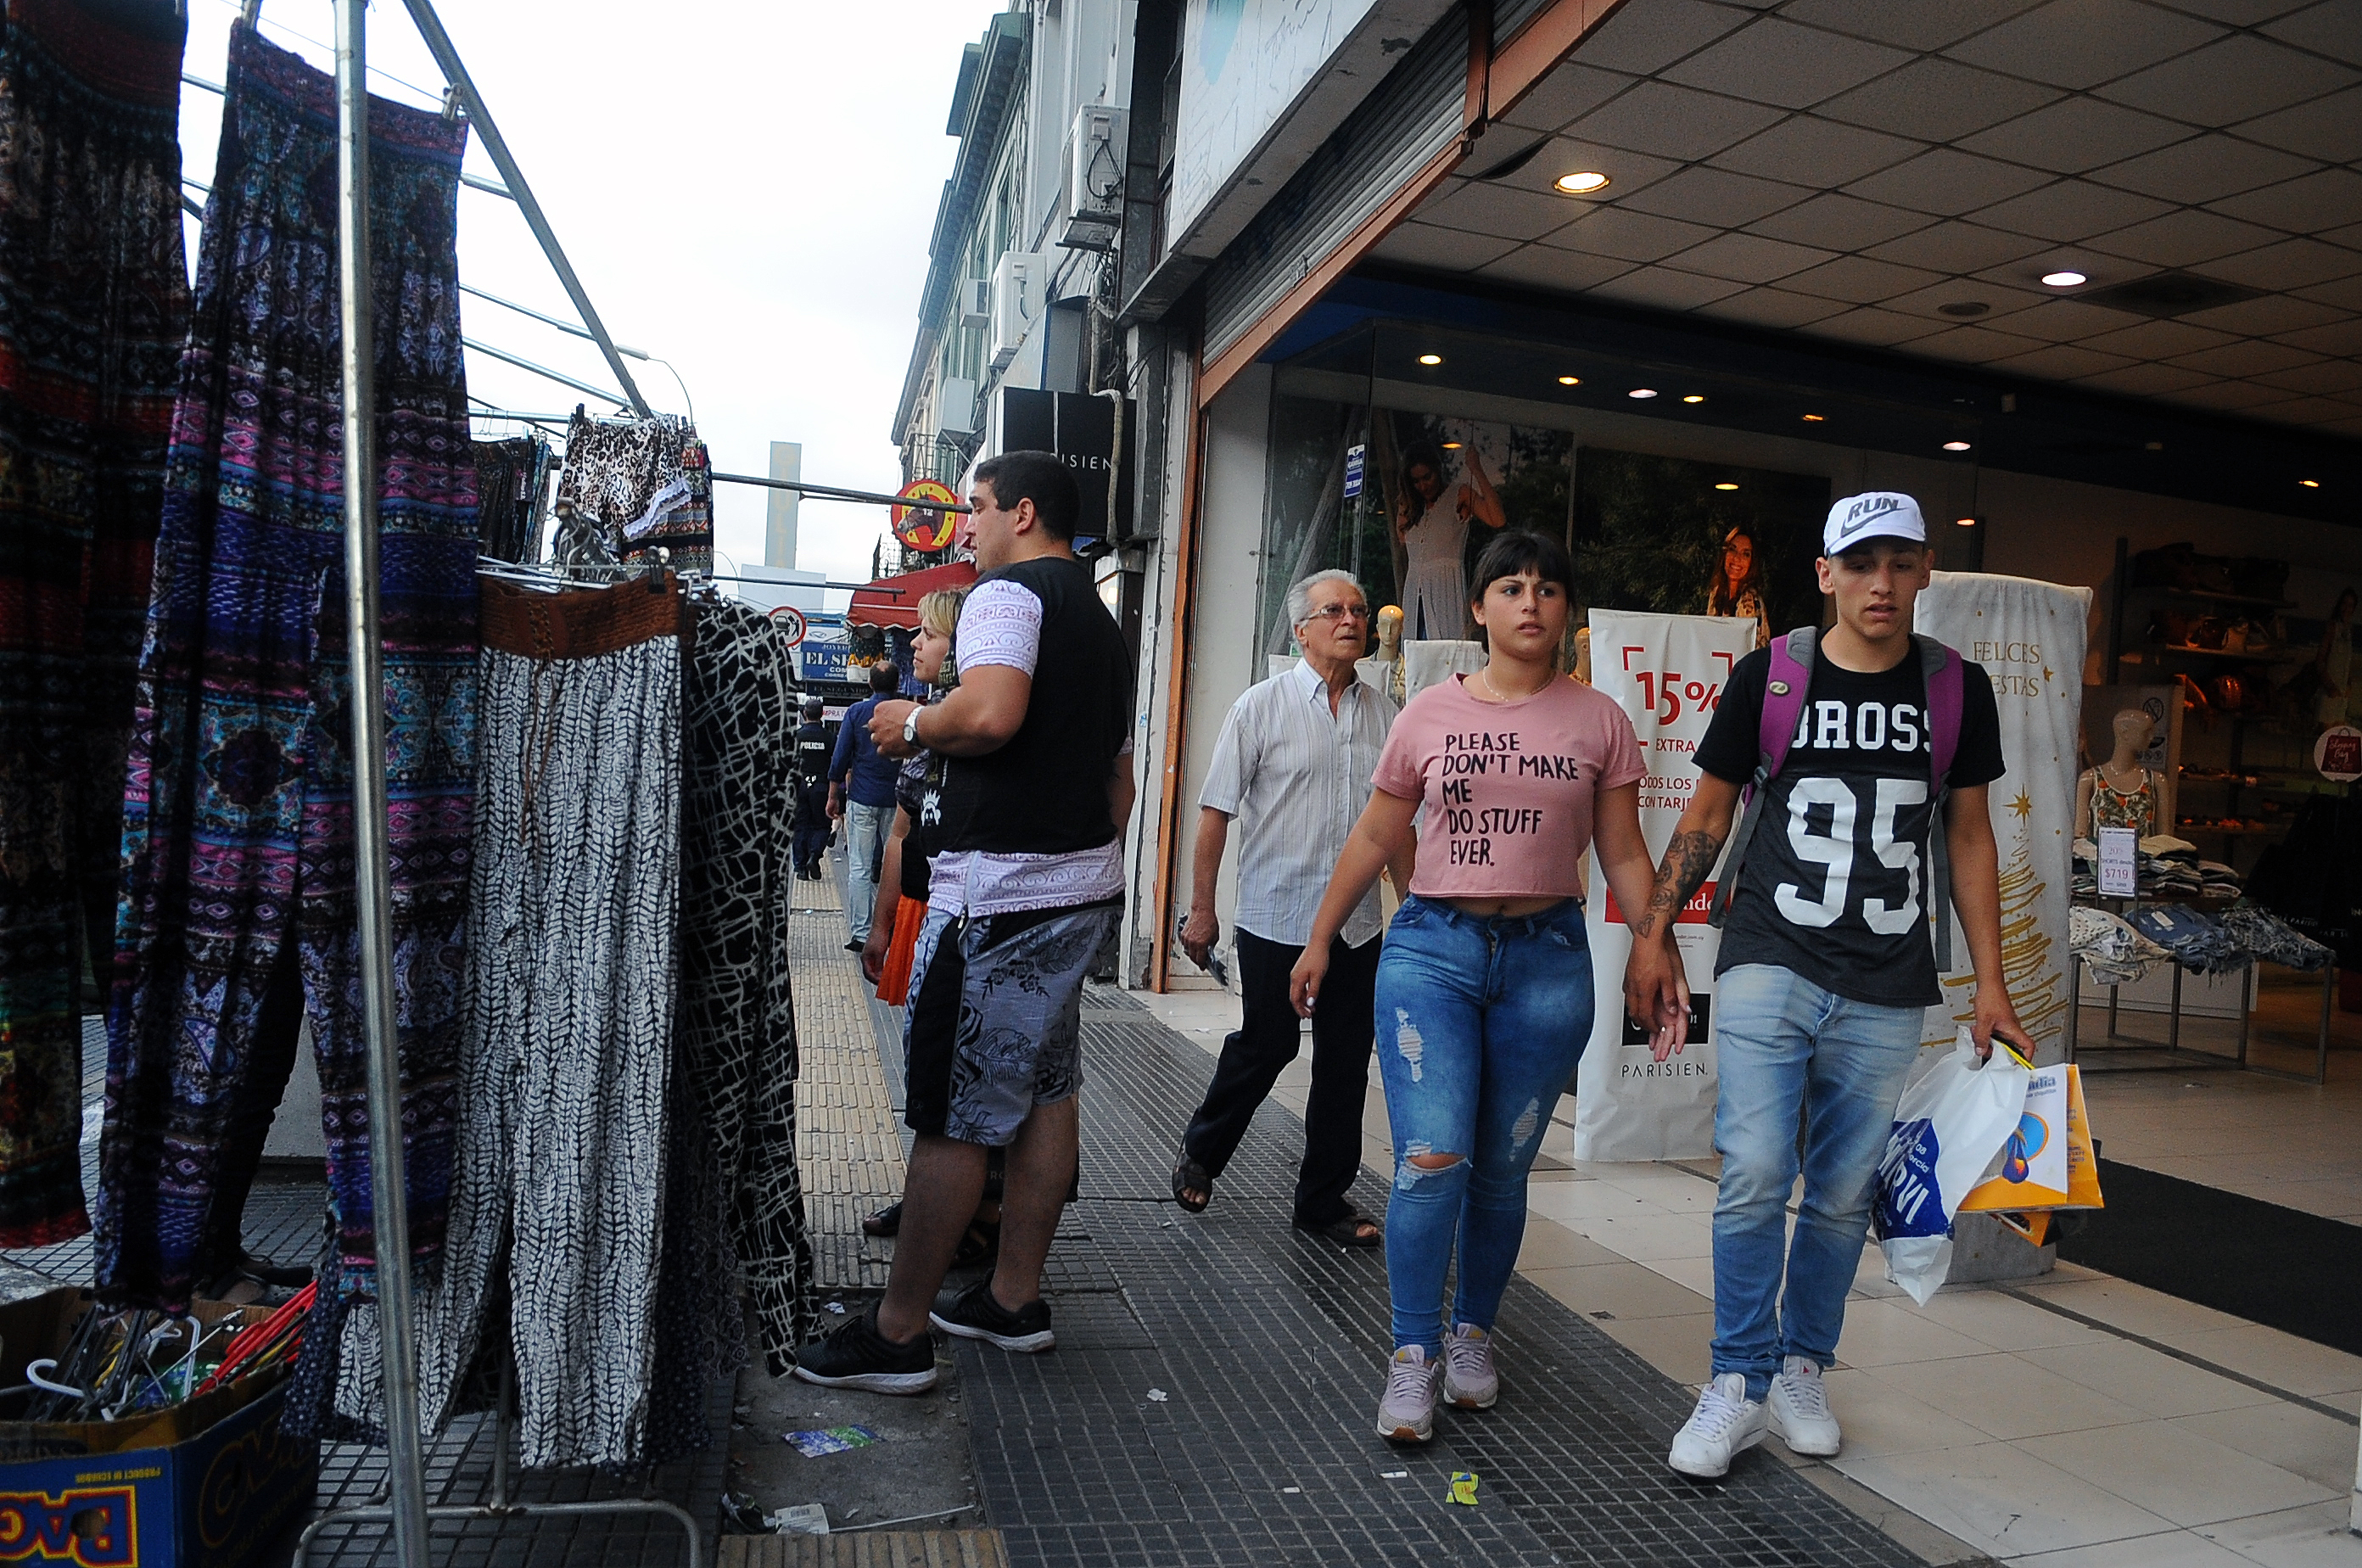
point(1509, 787)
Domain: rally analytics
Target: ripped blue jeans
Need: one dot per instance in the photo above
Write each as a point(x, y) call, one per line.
point(1480, 1024)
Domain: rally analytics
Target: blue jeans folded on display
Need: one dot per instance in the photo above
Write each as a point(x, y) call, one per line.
point(1480, 1023)
point(865, 828)
point(1786, 1046)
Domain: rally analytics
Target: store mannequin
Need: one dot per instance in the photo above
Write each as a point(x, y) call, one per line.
point(1384, 669)
point(2120, 793)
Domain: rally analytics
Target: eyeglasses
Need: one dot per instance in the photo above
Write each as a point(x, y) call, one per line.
point(1335, 613)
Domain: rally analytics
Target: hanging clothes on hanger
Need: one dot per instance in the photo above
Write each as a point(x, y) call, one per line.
point(93, 303)
point(642, 483)
point(512, 495)
point(238, 833)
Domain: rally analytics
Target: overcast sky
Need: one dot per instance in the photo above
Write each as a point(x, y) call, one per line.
point(746, 189)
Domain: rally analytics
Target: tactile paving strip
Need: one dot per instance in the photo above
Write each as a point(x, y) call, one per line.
point(846, 1142)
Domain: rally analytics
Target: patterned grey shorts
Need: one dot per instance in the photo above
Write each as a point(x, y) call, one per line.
point(994, 1023)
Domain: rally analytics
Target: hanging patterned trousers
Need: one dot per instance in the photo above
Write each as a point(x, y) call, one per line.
point(567, 1060)
point(237, 831)
point(93, 303)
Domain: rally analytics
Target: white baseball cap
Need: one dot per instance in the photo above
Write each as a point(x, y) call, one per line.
point(1873, 514)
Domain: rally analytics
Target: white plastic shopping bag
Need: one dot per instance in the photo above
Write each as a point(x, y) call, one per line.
point(1949, 1129)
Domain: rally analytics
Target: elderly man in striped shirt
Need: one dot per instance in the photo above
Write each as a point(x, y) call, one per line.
point(1293, 768)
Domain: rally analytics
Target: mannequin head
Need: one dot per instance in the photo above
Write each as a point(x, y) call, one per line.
point(1390, 619)
point(2135, 730)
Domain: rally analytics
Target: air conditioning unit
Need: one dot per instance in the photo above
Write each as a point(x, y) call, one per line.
point(1093, 205)
point(976, 302)
point(1017, 282)
point(956, 407)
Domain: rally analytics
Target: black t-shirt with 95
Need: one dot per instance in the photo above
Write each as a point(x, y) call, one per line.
point(1835, 884)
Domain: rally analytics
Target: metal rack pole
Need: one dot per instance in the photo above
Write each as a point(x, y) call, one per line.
point(430, 27)
point(390, 1217)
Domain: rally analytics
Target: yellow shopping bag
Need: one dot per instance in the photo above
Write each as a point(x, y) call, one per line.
point(2039, 1176)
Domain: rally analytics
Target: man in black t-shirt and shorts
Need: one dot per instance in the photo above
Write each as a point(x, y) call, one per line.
point(1826, 965)
point(1025, 886)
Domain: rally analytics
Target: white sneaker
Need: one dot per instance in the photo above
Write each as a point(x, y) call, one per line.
point(1798, 1404)
point(1469, 1380)
point(1407, 1414)
point(1724, 1423)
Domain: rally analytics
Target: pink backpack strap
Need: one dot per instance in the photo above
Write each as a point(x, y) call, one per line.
point(1940, 667)
point(1784, 686)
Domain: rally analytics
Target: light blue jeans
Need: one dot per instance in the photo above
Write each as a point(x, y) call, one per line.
point(1783, 1044)
point(1480, 1024)
point(865, 828)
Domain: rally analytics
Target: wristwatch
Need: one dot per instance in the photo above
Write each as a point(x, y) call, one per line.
point(910, 728)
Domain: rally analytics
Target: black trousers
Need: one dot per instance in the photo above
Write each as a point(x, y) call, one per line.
point(1265, 1042)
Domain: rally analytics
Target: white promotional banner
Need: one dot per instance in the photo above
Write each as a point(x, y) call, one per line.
point(2028, 636)
point(1667, 672)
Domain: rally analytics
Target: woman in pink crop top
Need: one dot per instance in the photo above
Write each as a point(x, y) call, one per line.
point(1484, 987)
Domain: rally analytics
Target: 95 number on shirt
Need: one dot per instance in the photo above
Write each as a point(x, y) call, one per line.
point(1836, 850)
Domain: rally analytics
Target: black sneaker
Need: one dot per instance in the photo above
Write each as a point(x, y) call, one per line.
point(974, 1314)
point(857, 1356)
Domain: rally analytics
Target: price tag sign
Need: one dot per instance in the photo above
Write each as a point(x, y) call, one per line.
point(1355, 459)
point(2119, 862)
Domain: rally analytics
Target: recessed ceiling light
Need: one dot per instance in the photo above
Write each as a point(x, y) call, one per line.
point(1725, 484)
point(1695, 397)
point(1641, 391)
point(1963, 308)
point(1569, 380)
point(1431, 359)
point(1966, 521)
point(2064, 280)
point(1451, 446)
point(2310, 484)
point(2154, 446)
point(1581, 181)
point(1814, 419)
point(1955, 445)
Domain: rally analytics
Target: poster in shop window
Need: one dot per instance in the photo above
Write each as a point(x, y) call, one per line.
point(1667, 673)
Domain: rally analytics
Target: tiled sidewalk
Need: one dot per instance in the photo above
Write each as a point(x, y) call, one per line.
point(2076, 1422)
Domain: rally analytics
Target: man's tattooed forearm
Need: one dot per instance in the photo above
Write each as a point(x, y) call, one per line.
point(1688, 859)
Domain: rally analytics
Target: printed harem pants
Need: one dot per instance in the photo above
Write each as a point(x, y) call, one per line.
point(237, 804)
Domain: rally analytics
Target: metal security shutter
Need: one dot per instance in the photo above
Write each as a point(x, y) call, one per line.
point(1509, 16)
point(1414, 115)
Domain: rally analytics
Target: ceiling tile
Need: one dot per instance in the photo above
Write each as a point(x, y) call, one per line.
point(2081, 43)
point(2236, 13)
point(2228, 396)
point(2310, 410)
point(2236, 79)
point(1748, 258)
point(1810, 151)
point(1628, 236)
point(2332, 28)
point(2002, 303)
point(1861, 280)
point(1572, 90)
point(2311, 204)
point(2071, 210)
point(2291, 264)
point(1907, 27)
point(1973, 345)
point(1870, 324)
point(1839, 223)
point(1775, 62)
point(1946, 181)
point(2345, 293)
point(1450, 249)
point(2058, 320)
point(2349, 237)
point(2203, 168)
point(2075, 134)
point(1957, 248)
point(1483, 208)
point(1665, 290)
point(1773, 307)
point(1716, 196)
point(2328, 129)
point(1937, 100)
point(2063, 363)
point(2178, 239)
point(2148, 380)
point(2341, 337)
point(1646, 38)
point(1675, 122)
point(2329, 376)
point(2157, 340)
point(2245, 358)
point(2267, 317)
point(1546, 267)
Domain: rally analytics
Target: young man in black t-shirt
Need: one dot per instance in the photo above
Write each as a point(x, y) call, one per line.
point(1827, 966)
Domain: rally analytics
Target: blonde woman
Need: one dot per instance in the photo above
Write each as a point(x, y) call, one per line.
point(902, 877)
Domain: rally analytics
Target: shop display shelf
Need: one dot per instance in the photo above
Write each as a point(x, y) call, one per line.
point(2269, 656)
point(2246, 598)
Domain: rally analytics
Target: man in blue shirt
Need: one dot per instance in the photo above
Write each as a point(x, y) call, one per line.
point(861, 790)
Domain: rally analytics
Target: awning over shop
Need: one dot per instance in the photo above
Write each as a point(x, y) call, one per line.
point(894, 601)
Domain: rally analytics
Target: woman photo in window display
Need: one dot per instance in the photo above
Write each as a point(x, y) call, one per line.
point(1431, 519)
point(1736, 589)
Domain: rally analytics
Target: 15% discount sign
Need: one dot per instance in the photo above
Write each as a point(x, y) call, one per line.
point(1664, 691)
